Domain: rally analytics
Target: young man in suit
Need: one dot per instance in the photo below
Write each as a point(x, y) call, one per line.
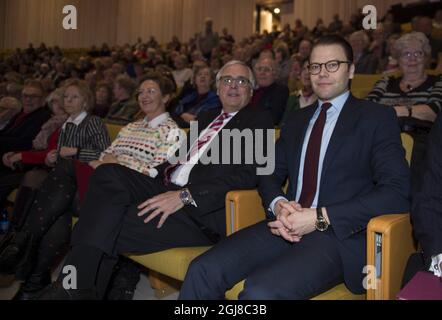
point(345, 164)
point(125, 211)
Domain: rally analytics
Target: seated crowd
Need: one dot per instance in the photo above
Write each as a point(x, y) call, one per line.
point(130, 196)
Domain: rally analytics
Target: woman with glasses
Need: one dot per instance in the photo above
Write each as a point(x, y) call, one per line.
point(415, 95)
point(140, 146)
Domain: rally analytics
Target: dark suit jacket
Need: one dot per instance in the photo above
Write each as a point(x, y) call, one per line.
point(426, 212)
point(20, 137)
point(209, 183)
point(364, 174)
point(274, 100)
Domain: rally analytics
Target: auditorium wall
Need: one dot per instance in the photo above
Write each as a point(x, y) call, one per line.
point(118, 21)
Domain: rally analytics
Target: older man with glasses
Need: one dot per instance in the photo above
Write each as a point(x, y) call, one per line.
point(125, 211)
point(22, 129)
point(269, 95)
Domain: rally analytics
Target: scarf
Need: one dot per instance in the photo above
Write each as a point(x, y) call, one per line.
point(41, 140)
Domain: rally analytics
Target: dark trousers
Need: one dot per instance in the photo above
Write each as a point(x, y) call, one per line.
point(273, 268)
point(109, 224)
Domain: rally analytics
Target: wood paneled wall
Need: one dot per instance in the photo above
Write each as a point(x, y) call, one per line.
point(118, 21)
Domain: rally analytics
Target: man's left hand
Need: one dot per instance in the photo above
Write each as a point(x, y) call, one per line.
point(166, 204)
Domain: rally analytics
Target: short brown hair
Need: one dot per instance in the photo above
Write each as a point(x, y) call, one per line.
point(165, 84)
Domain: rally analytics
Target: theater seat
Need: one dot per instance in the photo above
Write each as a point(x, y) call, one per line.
point(362, 84)
point(113, 130)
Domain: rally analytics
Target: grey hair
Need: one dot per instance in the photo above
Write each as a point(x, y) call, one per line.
point(414, 36)
point(276, 68)
point(231, 63)
point(360, 35)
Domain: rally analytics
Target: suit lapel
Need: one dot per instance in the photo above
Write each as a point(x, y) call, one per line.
point(344, 125)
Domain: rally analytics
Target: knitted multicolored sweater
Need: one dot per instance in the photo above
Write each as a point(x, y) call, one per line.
point(143, 145)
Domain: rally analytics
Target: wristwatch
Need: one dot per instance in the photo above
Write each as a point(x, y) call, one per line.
point(321, 223)
point(185, 196)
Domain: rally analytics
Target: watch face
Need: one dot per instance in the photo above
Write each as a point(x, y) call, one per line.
point(321, 225)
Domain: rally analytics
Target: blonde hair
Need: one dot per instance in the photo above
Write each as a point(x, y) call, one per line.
point(84, 90)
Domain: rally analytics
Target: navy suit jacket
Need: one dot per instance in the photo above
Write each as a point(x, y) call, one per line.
point(426, 212)
point(364, 175)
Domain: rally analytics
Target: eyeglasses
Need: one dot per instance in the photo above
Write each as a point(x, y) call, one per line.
point(331, 66)
point(148, 91)
point(240, 81)
point(408, 55)
point(263, 69)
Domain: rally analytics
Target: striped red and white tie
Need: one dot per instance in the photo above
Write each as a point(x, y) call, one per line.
point(206, 137)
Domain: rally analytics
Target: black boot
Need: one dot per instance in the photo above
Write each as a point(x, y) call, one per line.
point(31, 288)
point(23, 203)
point(18, 255)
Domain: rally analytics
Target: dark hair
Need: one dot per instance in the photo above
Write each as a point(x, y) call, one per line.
point(165, 84)
point(335, 40)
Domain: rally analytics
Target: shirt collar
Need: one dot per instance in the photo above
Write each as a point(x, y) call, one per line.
point(155, 122)
point(338, 102)
point(79, 119)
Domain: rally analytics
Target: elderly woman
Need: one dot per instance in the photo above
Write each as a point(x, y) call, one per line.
point(199, 99)
point(365, 62)
point(103, 99)
point(302, 97)
point(415, 96)
point(282, 57)
point(140, 146)
point(82, 138)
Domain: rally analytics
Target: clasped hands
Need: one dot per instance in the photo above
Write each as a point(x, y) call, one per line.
point(292, 221)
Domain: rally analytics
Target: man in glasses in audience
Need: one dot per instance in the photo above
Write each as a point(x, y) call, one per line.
point(22, 129)
point(269, 95)
point(125, 211)
point(345, 164)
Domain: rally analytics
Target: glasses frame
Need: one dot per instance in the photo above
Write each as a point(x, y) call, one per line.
point(408, 55)
point(327, 68)
point(223, 80)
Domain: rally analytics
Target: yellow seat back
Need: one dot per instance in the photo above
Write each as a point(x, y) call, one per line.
point(407, 143)
point(113, 130)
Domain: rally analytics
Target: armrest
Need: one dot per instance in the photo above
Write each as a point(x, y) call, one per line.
point(389, 245)
point(243, 208)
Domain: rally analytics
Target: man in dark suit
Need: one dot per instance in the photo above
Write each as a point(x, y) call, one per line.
point(125, 211)
point(426, 210)
point(269, 95)
point(345, 164)
point(23, 128)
